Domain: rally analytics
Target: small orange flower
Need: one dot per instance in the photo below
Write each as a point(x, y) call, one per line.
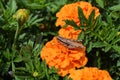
point(89, 73)
point(70, 12)
point(62, 58)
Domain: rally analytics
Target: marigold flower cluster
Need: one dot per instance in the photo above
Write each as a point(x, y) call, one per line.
point(89, 73)
point(70, 12)
point(66, 60)
point(62, 58)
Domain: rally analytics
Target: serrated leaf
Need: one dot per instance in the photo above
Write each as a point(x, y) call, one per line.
point(32, 18)
point(100, 3)
point(13, 67)
point(109, 20)
point(81, 36)
point(1, 6)
point(18, 58)
point(44, 66)
point(42, 75)
point(115, 7)
point(72, 23)
point(7, 54)
point(91, 19)
point(22, 36)
point(107, 48)
point(26, 52)
point(99, 44)
point(11, 8)
point(81, 16)
point(37, 21)
point(97, 23)
point(5, 67)
point(111, 35)
point(99, 62)
point(116, 48)
point(115, 40)
point(29, 66)
point(16, 78)
point(89, 48)
point(35, 6)
point(118, 63)
point(31, 43)
point(115, 15)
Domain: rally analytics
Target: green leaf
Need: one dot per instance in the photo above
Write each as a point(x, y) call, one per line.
point(5, 67)
point(115, 15)
point(7, 54)
point(22, 36)
point(13, 54)
point(26, 52)
point(114, 41)
point(89, 48)
point(97, 23)
point(33, 20)
point(91, 19)
point(116, 48)
point(35, 6)
point(82, 18)
point(81, 36)
point(99, 44)
point(118, 63)
point(109, 20)
point(16, 78)
point(115, 7)
point(11, 8)
point(1, 6)
point(18, 58)
point(52, 70)
point(29, 66)
point(112, 35)
point(41, 75)
point(100, 3)
point(37, 21)
point(72, 23)
point(107, 48)
point(31, 43)
point(99, 62)
point(13, 67)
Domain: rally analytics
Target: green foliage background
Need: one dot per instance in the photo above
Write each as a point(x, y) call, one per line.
point(20, 55)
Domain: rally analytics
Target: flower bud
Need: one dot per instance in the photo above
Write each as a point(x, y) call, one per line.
point(21, 16)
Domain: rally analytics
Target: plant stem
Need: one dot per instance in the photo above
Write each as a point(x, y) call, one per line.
point(15, 37)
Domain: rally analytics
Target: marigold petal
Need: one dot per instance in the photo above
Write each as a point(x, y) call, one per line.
point(69, 32)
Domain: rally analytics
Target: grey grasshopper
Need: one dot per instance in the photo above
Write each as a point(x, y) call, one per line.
point(70, 43)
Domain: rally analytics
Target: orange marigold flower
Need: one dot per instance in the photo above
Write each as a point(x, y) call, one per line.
point(69, 32)
point(62, 58)
point(70, 12)
point(90, 73)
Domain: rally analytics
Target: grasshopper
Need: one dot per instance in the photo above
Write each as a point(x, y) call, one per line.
point(70, 43)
